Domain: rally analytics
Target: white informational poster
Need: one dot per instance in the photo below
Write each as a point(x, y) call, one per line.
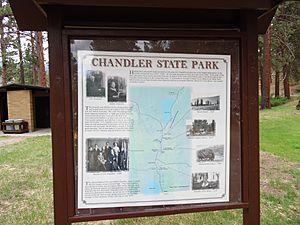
point(153, 129)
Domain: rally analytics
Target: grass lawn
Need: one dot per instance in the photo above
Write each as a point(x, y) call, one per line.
point(26, 180)
point(280, 131)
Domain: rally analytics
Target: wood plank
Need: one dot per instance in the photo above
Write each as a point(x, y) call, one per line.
point(29, 15)
point(159, 212)
point(215, 4)
point(251, 121)
point(58, 116)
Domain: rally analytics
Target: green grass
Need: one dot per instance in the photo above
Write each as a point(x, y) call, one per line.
point(280, 131)
point(282, 209)
point(280, 135)
point(26, 183)
point(232, 217)
point(26, 180)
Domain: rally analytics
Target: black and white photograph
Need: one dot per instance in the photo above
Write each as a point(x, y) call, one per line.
point(104, 155)
point(200, 128)
point(206, 103)
point(117, 89)
point(203, 181)
point(212, 153)
point(95, 84)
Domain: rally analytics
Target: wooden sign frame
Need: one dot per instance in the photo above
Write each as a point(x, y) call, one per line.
point(64, 171)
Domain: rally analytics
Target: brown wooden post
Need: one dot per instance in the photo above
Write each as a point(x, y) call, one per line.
point(58, 116)
point(251, 215)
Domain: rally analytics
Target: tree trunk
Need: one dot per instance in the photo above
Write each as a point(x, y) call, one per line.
point(40, 60)
point(3, 50)
point(266, 76)
point(277, 85)
point(34, 58)
point(22, 76)
point(286, 83)
point(4, 61)
point(260, 68)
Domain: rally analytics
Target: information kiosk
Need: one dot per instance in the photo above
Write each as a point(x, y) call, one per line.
point(154, 105)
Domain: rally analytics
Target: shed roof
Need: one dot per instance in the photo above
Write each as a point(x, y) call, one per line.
point(13, 87)
point(32, 14)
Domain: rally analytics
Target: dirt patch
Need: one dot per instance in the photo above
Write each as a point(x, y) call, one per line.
point(273, 169)
point(5, 206)
point(29, 193)
point(11, 140)
point(295, 165)
point(295, 90)
point(105, 222)
point(6, 167)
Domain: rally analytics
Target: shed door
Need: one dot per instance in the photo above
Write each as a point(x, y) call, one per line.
point(42, 112)
point(3, 109)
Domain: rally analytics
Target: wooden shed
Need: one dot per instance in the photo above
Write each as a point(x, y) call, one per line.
point(27, 102)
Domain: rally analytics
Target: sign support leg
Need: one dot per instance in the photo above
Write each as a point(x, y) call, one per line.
point(251, 215)
point(59, 145)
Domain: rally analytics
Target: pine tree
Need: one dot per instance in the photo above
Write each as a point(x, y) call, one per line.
point(19, 64)
point(33, 58)
point(5, 11)
point(266, 74)
point(11, 48)
point(286, 24)
point(40, 59)
point(285, 48)
point(22, 73)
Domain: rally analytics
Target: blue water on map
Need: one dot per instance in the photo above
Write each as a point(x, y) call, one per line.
point(152, 188)
point(167, 104)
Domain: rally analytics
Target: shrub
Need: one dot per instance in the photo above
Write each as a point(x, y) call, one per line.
point(275, 101)
point(278, 101)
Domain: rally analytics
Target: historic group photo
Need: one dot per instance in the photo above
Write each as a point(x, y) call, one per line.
point(106, 154)
point(202, 181)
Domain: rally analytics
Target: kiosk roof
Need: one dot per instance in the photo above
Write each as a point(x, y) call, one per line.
point(32, 14)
